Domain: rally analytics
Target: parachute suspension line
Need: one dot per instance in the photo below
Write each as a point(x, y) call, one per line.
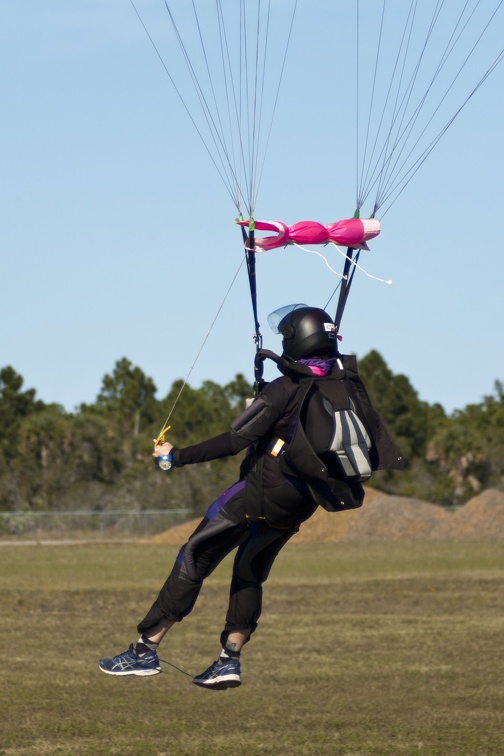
point(186, 379)
point(261, 100)
point(401, 103)
point(275, 103)
point(390, 164)
point(228, 78)
point(227, 170)
point(250, 119)
point(254, 65)
point(370, 177)
point(330, 298)
point(372, 174)
point(357, 113)
point(389, 170)
point(402, 180)
point(213, 123)
point(360, 170)
point(254, 101)
point(258, 112)
point(406, 178)
point(232, 89)
point(183, 102)
point(230, 95)
point(251, 103)
point(233, 190)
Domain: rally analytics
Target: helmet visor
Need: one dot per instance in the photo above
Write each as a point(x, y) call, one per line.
point(276, 317)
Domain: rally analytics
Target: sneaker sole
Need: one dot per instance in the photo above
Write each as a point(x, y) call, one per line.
point(219, 684)
point(136, 673)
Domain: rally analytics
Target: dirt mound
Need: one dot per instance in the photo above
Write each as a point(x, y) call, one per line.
point(480, 519)
point(326, 527)
point(177, 535)
point(393, 518)
point(382, 517)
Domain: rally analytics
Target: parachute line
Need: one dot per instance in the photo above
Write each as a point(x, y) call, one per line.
point(275, 102)
point(207, 336)
point(402, 182)
point(230, 93)
point(385, 195)
point(399, 150)
point(183, 102)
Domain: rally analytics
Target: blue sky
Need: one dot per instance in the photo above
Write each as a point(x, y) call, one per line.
point(117, 235)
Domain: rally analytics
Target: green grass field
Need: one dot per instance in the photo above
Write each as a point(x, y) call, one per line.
point(384, 648)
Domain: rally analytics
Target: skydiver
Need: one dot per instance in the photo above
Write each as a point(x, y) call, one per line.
point(313, 437)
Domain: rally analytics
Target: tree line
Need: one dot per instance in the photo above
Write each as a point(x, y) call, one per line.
point(98, 457)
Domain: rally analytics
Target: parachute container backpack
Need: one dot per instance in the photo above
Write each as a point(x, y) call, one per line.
point(351, 443)
point(333, 427)
point(331, 444)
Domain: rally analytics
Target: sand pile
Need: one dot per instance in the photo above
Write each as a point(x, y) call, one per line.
point(393, 518)
point(481, 519)
point(175, 536)
point(398, 518)
point(326, 527)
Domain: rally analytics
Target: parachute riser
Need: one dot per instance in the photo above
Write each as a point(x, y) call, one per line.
point(346, 283)
point(250, 255)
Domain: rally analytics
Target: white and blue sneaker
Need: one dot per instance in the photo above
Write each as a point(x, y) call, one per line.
point(131, 662)
point(220, 675)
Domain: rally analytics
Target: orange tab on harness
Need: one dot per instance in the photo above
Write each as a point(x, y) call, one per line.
point(276, 447)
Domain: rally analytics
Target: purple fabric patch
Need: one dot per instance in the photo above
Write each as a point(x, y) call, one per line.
point(319, 367)
point(214, 509)
point(223, 499)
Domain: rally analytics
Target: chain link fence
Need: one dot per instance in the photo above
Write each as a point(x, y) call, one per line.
point(114, 523)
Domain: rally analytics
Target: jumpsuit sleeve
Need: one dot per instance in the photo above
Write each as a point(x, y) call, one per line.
point(214, 448)
point(250, 425)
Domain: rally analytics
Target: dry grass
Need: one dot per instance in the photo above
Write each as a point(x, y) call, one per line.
point(363, 649)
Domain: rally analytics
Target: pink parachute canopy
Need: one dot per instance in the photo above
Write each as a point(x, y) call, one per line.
point(352, 232)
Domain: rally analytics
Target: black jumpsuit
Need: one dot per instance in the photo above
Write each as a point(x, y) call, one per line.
point(258, 514)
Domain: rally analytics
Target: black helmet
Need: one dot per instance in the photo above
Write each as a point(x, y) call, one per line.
point(306, 331)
